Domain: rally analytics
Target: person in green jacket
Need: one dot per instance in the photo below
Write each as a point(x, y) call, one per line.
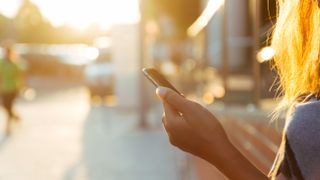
point(10, 83)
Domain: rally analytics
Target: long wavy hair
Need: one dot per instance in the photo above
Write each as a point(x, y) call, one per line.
point(296, 40)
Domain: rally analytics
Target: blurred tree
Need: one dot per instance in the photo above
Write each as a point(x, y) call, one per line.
point(5, 28)
point(32, 27)
point(30, 24)
point(182, 12)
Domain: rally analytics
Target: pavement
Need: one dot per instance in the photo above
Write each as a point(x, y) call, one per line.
point(63, 137)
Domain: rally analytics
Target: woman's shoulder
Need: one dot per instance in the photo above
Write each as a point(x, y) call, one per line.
point(305, 115)
point(312, 105)
point(303, 132)
point(304, 123)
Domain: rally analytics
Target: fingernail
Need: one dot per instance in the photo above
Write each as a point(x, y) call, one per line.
point(161, 91)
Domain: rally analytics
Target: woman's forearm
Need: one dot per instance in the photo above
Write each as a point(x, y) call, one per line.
point(232, 163)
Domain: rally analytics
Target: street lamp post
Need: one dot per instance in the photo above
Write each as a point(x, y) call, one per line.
point(142, 90)
point(225, 46)
point(256, 17)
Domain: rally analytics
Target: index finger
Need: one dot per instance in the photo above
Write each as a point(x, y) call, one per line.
point(177, 101)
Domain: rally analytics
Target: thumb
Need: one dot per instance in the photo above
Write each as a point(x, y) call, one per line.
point(177, 101)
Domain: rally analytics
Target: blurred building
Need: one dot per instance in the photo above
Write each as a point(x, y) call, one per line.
point(229, 43)
point(219, 53)
point(239, 36)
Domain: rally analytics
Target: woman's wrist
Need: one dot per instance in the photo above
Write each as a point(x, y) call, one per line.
point(228, 159)
point(219, 152)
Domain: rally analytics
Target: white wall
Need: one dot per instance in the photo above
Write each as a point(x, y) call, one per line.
point(125, 55)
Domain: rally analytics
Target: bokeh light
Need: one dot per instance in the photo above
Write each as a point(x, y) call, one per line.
point(266, 54)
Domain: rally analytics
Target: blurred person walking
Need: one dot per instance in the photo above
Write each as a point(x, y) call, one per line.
point(11, 77)
point(296, 40)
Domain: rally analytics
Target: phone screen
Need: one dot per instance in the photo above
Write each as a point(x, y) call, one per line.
point(158, 79)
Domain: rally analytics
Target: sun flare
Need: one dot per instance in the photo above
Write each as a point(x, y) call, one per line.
point(83, 13)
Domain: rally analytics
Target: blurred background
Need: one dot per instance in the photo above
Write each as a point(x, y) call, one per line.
point(86, 111)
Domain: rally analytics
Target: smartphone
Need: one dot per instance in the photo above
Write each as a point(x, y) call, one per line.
point(158, 79)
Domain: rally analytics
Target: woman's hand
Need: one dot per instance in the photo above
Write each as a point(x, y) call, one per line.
point(190, 126)
point(194, 129)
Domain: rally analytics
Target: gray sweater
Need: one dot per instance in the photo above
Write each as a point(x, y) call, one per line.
point(303, 136)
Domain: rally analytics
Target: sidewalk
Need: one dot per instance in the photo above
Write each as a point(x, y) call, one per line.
point(129, 153)
point(63, 138)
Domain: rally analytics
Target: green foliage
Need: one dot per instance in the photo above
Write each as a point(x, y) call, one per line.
point(31, 26)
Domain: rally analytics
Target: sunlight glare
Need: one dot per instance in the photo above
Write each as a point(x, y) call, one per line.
point(212, 7)
point(92, 53)
point(81, 14)
point(266, 54)
point(9, 8)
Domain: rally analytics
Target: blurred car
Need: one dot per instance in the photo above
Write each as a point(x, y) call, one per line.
point(99, 75)
point(57, 60)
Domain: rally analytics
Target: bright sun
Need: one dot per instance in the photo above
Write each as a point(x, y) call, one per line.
point(82, 13)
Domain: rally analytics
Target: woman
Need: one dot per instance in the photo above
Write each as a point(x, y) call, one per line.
point(296, 40)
